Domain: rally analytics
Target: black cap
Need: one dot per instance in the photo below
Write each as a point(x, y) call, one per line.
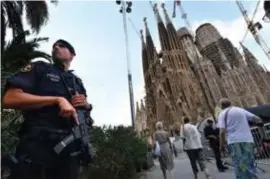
point(66, 44)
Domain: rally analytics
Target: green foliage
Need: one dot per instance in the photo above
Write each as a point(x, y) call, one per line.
point(10, 123)
point(119, 151)
point(18, 52)
point(36, 15)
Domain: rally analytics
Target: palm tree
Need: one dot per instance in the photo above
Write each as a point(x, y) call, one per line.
point(36, 13)
point(18, 53)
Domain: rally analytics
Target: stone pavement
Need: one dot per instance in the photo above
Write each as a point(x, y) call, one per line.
point(183, 170)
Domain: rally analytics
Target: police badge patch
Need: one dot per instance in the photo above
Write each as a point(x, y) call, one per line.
point(26, 68)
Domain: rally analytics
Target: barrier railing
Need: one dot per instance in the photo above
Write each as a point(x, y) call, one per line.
point(262, 145)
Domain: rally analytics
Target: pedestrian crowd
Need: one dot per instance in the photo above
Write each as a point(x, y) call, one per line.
point(231, 134)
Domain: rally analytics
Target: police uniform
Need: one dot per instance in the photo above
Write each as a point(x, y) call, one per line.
point(43, 127)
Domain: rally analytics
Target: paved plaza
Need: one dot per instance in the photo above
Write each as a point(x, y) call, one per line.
point(183, 170)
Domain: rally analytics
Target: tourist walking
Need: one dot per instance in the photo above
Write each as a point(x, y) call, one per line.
point(193, 147)
point(166, 153)
point(233, 121)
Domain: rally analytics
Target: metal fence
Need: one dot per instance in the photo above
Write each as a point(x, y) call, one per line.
point(262, 147)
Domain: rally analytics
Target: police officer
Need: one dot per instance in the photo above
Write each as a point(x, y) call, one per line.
point(47, 95)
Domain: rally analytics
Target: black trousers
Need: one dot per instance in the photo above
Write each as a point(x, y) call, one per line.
point(195, 156)
point(215, 147)
point(65, 170)
point(38, 161)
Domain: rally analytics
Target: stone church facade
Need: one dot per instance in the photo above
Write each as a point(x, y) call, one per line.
point(189, 75)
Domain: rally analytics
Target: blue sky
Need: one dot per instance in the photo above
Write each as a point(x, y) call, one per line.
point(95, 29)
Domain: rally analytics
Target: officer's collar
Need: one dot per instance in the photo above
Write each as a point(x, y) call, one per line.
point(61, 67)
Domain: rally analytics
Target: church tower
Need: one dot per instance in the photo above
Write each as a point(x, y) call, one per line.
point(258, 73)
point(178, 93)
point(189, 78)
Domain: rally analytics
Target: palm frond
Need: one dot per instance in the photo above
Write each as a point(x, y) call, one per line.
point(30, 44)
point(13, 12)
point(20, 6)
point(35, 43)
point(3, 28)
point(19, 52)
point(18, 39)
point(39, 54)
point(37, 14)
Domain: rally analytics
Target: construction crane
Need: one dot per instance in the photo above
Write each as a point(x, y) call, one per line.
point(252, 19)
point(183, 15)
point(254, 28)
point(134, 28)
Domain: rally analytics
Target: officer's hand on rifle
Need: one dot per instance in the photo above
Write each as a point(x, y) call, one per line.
point(79, 100)
point(67, 110)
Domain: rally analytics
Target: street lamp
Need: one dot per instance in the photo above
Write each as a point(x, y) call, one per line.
point(124, 9)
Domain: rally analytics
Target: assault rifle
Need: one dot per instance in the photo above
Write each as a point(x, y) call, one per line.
point(79, 133)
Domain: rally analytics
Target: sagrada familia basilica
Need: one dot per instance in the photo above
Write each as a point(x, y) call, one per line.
point(191, 74)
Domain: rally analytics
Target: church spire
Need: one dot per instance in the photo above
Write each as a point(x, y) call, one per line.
point(149, 43)
point(265, 69)
point(142, 39)
point(174, 42)
point(142, 104)
point(163, 36)
point(154, 7)
point(144, 54)
point(167, 18)
point(137, 107)
point(247, 54)
point(250, 59)
point(172, 34)
point(147, 31)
